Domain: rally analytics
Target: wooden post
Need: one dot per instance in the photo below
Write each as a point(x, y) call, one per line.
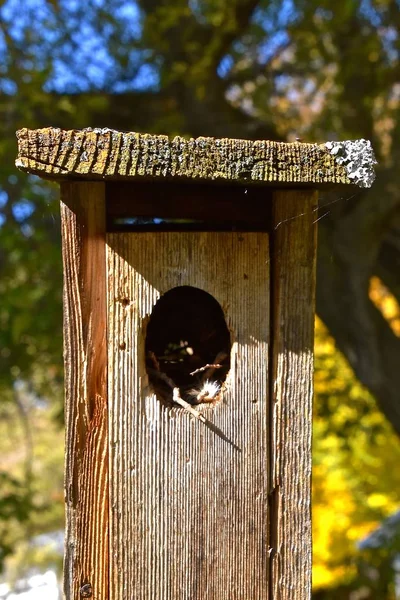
point(293, 297)
point(176, 490)
point(85, 355)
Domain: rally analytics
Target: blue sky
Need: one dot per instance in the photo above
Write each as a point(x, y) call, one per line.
point(74, 42)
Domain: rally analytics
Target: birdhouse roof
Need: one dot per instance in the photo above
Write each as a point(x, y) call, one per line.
point(105, 154)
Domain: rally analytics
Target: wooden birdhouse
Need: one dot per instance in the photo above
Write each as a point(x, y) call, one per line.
point(189, 276)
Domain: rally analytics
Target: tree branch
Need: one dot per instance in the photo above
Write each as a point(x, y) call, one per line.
point(349, 253)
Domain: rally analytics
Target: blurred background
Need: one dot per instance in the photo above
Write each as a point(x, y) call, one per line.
point(318, 70)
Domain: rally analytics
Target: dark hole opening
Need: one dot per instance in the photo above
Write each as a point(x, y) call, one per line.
point(187, 346)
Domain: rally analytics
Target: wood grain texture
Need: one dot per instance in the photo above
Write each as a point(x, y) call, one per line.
point(293, 298)
point(189, 501)
point(85, 356)
point(108, 154)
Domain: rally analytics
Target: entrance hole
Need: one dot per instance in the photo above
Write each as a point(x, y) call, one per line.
point(187, 346)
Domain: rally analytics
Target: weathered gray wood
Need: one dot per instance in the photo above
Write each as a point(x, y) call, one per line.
point(109, 154)
point(85, 355)
point(293, 281)
point(189, 504)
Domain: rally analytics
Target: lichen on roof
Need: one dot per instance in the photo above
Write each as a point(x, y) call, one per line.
point(358, 159)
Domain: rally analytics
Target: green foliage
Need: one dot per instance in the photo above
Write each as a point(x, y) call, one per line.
point(15, 508)
point(31, 286)
point(31, 476)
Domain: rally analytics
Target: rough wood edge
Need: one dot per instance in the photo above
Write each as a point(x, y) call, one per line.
point(85, 356)
point(292, 312)
point(107, 154)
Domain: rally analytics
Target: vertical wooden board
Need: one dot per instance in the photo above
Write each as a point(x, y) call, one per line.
point(85, 357)
point(293, 300)
point(189, 507)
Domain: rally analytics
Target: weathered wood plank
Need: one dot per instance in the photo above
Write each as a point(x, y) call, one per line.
point(189, 503)
point(294, 247)
point(109, 154)
point(85, 356)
